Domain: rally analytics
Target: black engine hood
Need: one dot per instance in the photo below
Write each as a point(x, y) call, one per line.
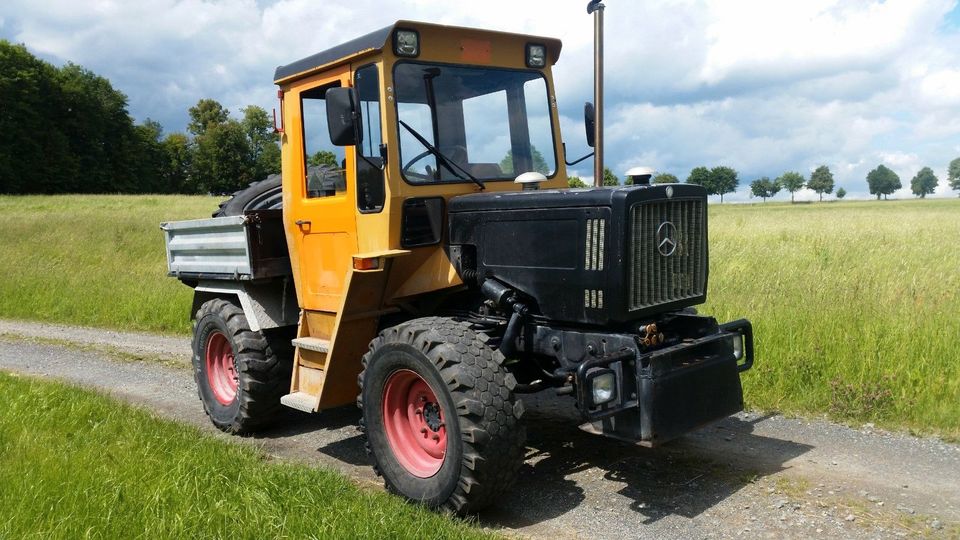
point(568, 198)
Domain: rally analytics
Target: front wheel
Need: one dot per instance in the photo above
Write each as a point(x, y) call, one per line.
point(441, 421)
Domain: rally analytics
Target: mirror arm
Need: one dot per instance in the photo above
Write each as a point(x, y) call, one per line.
point(569, 163)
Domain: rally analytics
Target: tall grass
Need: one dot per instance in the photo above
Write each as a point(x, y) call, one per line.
point(93, 260)
point(856, 307)
point(74, 464)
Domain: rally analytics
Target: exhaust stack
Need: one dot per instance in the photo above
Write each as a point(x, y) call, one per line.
point(596, 8)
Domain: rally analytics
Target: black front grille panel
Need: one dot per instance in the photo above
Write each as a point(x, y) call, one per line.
point(667, 252)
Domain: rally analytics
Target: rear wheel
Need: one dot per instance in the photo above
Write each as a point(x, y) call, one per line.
point(441, 421)
point(240, 376)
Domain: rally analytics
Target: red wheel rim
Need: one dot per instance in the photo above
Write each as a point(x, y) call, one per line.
point(221, 368)
point(414, 423)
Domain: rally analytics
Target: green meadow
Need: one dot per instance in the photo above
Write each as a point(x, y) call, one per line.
point(855, 305)
point(75, 464)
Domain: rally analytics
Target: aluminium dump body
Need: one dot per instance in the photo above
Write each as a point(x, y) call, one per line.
point(237, 248)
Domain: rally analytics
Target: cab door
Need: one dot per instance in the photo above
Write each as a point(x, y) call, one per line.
point(321, 214)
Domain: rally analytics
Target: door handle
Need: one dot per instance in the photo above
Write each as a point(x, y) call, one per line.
point(302, 222)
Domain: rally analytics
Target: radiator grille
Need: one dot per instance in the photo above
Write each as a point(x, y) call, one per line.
point(659, 275)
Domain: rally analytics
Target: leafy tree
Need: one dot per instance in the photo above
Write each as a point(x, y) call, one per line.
point(178, 157)
point(792, 182)
point(953, 174)
point(610, 179)
point(841, 193)
point(323, 157)
point(723, 180)
point(717, 181)
point(699, 176)
point(665, 178)
point(764, 188)
point(576, 182)
point(152, 158)
point(264, 143)
point(221, 162)
point(883, 181)
point(207, 112)
point(821, 181)
point(539, 164)
point(924, 183)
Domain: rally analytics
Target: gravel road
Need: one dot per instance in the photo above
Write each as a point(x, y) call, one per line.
point(750, 476)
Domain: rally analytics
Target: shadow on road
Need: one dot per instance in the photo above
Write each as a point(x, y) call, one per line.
point(566, 468)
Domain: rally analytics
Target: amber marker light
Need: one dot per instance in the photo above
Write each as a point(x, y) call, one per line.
point(366, 263)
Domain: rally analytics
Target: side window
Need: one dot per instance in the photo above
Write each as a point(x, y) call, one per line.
point(324, 161)
point(370, 183)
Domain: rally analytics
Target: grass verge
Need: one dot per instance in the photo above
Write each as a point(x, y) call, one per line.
point(75, 464)
point(94, 260)
point(855, 306)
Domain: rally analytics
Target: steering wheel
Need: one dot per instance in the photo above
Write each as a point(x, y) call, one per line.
point(406, 168)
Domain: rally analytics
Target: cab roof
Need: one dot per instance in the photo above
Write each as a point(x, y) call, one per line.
point(377, 40)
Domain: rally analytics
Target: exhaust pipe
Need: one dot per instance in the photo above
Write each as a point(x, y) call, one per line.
point(596, 8)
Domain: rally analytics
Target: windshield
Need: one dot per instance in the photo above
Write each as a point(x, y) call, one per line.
point(493, 123)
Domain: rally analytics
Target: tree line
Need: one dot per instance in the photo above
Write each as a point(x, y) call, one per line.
point(67, 130)
point(721, 180)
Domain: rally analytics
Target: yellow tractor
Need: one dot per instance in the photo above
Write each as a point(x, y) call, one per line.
point(422, 257)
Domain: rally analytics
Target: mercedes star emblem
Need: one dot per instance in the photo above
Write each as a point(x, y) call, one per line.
point(667, 238)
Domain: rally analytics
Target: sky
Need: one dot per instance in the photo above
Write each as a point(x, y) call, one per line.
point(763, 86)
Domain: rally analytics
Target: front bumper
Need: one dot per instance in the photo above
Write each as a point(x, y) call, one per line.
point(665, 393)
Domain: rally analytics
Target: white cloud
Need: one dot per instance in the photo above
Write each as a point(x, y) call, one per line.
point(764, 86)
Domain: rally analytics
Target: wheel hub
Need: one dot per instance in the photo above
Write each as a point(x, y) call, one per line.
point(414, 423)
point(431, 415)
point(221, 368)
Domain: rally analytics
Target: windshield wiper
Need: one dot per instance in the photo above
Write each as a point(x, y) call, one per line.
point(442, 159)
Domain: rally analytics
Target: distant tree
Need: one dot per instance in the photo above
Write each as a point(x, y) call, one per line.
point(724, 180)
point(924, 183)
point(883, 181)
point(221, 162)
point(264, 143)
point(841, 193)
point(953, 174)
point(665, 178)
point(178, 156)
point(699, 176)
point(717, 181)
point(151, 158)
point(323, 157)
point(764, 188)
point(610, 179)
point(539, 164)
point(821, 181)
point(576, 182)
point(207, 112)
point(792, 182)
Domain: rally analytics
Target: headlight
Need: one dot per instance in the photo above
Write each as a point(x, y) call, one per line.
point(536, 55)
point(737, 342)
point(406, 43)
point(603, 387)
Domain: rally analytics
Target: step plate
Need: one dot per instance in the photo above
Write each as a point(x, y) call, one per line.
point(312, 344)
point(300, 401)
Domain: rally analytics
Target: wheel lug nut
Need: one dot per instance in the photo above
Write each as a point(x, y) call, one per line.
point(423, 430)
point(419, 411)
point(436, 437)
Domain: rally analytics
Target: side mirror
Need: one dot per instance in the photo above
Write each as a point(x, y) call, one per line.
point(589, 122)
point(343, 116)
